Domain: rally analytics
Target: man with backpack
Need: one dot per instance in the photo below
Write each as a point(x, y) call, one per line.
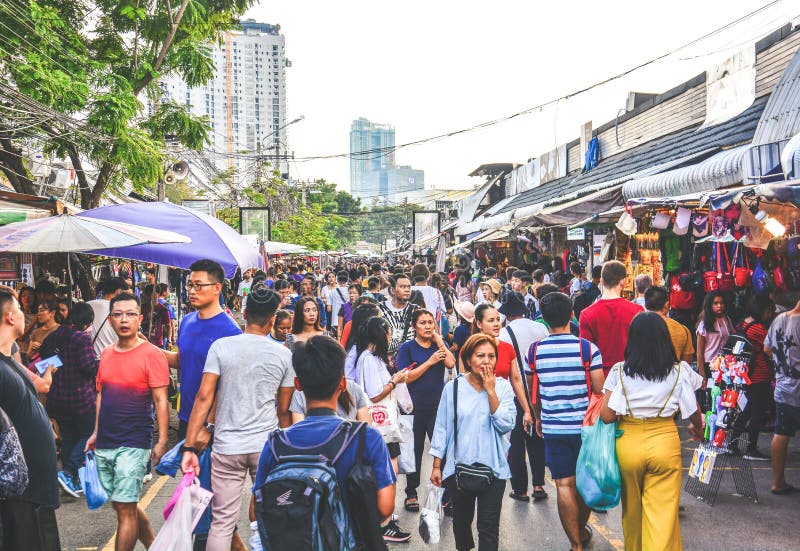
point(563, 365)
point(354, 488)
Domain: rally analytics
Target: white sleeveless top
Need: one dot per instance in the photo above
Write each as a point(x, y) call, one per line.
point(647, 398)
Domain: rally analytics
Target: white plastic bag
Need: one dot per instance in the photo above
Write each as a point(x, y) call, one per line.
point(406, 463)
point(430, 518)
point(176, 533)
point(404, 401)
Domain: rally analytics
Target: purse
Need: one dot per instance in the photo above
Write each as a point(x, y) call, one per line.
point(726, 282)
point(743, 273)
point(471, 479)
point(13, 468)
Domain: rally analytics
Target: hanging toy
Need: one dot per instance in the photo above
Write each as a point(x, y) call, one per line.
point(719, 438)
point(716, 392)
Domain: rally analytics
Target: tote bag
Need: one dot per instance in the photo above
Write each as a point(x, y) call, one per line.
point(384, 413)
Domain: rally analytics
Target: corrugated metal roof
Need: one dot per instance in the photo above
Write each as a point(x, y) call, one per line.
point(662, 150)
point(781, 117)
point(721, 170)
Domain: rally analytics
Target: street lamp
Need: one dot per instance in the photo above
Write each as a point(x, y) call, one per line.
point(301, 118)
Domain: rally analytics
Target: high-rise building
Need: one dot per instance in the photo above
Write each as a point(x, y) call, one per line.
point(245, 101)
point(366, 141)
point(391, 184)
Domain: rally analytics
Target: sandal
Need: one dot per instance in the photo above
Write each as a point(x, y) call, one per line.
point(539, 495)
point(589, 534)
point(789, 489)
point(519, 497)
point(411, 504)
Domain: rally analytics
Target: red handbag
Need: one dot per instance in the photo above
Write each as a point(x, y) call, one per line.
point(726, 283)
point(741, 274)
point(778, 278)
point(710, 281)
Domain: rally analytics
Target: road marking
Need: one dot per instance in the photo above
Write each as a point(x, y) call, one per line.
point(594, 522)
point(143, 503)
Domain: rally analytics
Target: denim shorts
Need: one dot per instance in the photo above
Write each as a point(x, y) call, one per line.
point(121, 471)
point(787, 419)
point(561, 454)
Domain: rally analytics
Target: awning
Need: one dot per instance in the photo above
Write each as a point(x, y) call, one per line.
point(495, 234)
point(718, 171)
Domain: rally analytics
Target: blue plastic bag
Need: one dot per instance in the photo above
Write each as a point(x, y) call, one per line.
point(597, 474)
point(95, 494)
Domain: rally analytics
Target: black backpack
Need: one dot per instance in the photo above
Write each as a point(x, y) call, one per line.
point(299, 506)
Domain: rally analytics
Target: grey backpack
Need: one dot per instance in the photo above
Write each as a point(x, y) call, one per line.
point(13, 469)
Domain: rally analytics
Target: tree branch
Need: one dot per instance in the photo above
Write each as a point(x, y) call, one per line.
point(13, 167)
point(146, 79)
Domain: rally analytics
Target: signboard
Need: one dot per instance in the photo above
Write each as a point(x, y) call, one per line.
point(255, 220)
point(576, 234)
point(426, 224)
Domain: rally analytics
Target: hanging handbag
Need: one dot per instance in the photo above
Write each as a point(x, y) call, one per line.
point(777, 276)
point(760, 279)
point(471, 479)
point(741, 273)
point(726, 283)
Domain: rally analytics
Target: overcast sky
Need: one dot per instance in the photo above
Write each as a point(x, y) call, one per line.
point(433, 66)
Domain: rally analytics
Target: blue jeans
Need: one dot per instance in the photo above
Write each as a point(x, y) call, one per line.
point(75, 431)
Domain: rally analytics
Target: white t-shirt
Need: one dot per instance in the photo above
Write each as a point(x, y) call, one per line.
point(326, 294)
point(527, 332)
point(244, 287)
point(647, 397)
point(298, 404)
point(338, 296)
point(106, 336)
point(374, 373)
point(350, 371)
point(434, 301)
point(251, 368)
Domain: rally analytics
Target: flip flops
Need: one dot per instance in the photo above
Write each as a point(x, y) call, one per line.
point(518, 497)
point(411, 504)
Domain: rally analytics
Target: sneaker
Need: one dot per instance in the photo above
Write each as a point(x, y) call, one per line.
point(255, 538)
point(392, 532)
point(755, 455)
point(67, 484)
point(147, 478)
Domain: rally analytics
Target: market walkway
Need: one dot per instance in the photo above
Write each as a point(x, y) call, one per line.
point(764, 526)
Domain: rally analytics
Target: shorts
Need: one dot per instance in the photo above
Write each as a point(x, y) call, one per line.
point(394, 449)
point(561, 454)
point(121, 471)
point(787, 419)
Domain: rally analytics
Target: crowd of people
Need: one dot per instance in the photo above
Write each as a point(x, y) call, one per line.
point(497, 369)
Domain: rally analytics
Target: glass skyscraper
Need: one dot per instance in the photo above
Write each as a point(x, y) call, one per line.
point(371, 150)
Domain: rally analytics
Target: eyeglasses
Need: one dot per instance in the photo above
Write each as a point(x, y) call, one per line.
point(197, 286)
point(124, 315)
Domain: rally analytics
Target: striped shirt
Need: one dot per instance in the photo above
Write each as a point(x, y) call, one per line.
point(562, 382)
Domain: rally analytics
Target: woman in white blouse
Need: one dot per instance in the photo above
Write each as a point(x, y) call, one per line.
point(644, 392)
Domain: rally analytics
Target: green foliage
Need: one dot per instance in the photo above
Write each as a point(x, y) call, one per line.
point(309, 226)
point(100, 61)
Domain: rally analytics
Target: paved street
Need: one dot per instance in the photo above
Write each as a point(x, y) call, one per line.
point(746, 526)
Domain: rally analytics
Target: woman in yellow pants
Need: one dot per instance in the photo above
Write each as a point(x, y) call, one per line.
point(644, 392)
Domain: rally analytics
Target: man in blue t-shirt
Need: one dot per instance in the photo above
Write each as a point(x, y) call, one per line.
point(560, 363)
point(198, 331)
point(319, 366)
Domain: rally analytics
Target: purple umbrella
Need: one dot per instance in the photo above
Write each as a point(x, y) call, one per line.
point(211, 238)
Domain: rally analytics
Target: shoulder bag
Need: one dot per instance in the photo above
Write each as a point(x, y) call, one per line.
point(471, 479)
point(384, 413)
point(13, 469)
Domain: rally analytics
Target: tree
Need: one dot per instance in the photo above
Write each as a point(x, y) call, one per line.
point(81, 81)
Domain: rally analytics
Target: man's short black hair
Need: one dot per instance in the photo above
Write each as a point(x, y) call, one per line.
point(122, 297)
point(373, 282)
point(655, 298)
point(597, 270)
point(545, 289)
point(310, 277)
point(215, 272)
point(490, 272)
point(46, 287)
point(114, 284)
point(262, 303)
point(376, 268)
point(523, 275)
point(319, 365)
point(342, 277)
point(393, 279)
point(80, 316)
point(556, 309)
point(151, 271)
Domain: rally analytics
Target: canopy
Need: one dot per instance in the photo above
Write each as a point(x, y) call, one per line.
point(68, 233)
point(276, 247)
point(211, 238)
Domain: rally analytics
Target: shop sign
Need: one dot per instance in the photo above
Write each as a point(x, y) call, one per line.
point(576, 234)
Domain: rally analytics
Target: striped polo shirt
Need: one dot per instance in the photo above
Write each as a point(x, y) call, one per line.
point(562, 382)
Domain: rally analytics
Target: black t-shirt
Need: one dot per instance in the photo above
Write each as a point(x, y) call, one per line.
point(19, 400)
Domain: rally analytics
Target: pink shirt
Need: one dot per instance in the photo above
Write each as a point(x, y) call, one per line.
point(715, 341)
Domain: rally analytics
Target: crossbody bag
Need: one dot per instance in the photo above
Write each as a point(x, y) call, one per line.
point(471, 479)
